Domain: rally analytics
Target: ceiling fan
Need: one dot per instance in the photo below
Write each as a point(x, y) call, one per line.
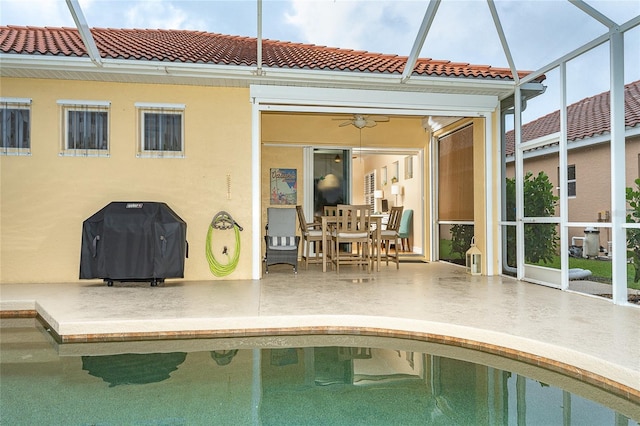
point(361, 121)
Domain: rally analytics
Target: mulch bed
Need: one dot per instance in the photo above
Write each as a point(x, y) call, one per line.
point(633, 298)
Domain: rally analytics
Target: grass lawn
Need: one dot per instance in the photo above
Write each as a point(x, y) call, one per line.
point(601, 269)
point(446, 254)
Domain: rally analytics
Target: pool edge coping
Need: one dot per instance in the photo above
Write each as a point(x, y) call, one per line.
point(571, 370)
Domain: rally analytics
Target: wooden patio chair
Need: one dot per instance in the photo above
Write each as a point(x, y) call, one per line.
point(352, 226)
point(311, 237)
point(389, 236)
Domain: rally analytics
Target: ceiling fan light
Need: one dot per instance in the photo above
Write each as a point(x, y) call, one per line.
point(360, 122)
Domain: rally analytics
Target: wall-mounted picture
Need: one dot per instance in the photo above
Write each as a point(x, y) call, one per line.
point(284, 186)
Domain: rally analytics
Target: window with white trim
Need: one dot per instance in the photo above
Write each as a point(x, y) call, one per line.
point(161, 130)
point(369, 189)
point(15, 126)
point(571, 181)
point(85, 128)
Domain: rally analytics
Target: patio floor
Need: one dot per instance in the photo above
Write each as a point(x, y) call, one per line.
point(583, 336)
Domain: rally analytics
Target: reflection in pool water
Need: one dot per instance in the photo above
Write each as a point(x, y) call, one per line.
point(129, 369)
point(284, 380)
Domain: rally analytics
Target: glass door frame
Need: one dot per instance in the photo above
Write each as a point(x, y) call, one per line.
point(309, 174)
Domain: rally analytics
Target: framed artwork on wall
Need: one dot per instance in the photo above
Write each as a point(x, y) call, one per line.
point(283, 186)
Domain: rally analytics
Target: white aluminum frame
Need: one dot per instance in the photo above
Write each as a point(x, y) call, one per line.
point(296, 99)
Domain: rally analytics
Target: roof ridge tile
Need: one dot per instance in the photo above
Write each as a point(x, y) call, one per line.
point(223, 49)
point(586, 117)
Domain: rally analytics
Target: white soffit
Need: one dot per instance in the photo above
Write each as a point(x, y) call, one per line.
point(119, 70)
point(374, 99)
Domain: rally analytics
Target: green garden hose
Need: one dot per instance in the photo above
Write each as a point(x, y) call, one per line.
point(223, 221)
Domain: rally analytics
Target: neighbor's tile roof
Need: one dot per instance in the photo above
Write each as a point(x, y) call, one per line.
point(586, 118)
point(210, 48)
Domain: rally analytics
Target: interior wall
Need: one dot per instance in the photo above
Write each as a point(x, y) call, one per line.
point(359, 168)
point(320, 130)
point(46, 197)
point(283, 158)
point(323, 130)
point(292, 158)
point(411, 196)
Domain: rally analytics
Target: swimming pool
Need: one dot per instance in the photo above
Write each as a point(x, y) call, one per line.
point(284, 380)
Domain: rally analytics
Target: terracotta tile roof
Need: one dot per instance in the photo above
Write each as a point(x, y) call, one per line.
point(586, 118)
point(210, 48)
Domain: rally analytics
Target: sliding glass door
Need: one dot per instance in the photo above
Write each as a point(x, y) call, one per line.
point(331, 178)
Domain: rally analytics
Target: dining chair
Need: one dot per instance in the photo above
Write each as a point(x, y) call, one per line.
point(352, 226)
point(405, 229)
point(329, 210)
point(389, 235)
point(281, 240)
point(311, 237)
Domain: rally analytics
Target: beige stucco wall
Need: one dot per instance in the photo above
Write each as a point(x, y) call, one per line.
point(496, 196)
point(479, 188)
point(46, 197)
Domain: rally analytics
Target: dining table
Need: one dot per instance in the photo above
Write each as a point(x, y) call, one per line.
point(375, 226)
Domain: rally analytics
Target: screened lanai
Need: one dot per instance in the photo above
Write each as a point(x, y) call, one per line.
point(539, 244)
point(560, 54)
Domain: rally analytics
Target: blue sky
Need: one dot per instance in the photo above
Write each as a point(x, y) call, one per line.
point(538, 31)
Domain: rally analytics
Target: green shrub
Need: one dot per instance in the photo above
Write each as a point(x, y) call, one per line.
point(542, 239)
point(633, 235)
point(461, 236)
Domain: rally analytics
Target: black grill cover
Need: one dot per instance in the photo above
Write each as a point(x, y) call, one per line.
point(133, 241)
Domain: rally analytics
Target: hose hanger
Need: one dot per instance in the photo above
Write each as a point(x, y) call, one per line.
point(223, 221)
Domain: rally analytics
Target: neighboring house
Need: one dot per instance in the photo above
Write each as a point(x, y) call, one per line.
point(196, 120)
point(588, 160)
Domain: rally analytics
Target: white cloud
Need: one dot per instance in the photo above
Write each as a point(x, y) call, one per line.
point(327, 23)
point(464, 32)
point(160, 14)
point(39, 13)
point(382, 27)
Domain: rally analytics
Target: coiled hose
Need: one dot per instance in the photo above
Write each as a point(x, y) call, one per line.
point(223, 220)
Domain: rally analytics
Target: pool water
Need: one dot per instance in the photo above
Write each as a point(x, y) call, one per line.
point(297, 380)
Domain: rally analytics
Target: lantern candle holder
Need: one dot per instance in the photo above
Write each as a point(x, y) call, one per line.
point(474, 259)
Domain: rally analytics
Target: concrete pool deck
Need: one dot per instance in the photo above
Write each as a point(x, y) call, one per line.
point(585, 337)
